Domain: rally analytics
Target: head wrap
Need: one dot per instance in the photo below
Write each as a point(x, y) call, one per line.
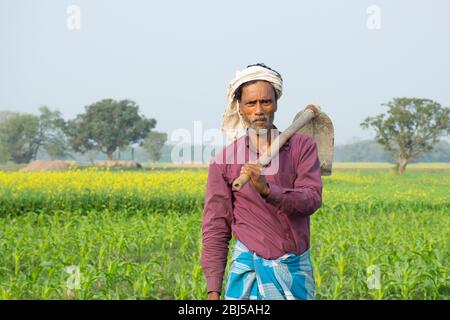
point(232, 123)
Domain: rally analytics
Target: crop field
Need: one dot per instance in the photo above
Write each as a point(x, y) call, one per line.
point(100, 234)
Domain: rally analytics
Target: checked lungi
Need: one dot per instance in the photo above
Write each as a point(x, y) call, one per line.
point(290, 277)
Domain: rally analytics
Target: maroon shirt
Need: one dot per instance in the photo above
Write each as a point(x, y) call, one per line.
point(270, 226)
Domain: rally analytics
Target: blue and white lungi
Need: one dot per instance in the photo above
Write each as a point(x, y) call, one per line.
point(290, 277)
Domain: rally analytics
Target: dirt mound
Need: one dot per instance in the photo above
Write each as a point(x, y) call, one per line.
point(48, 165)
point(117, 164)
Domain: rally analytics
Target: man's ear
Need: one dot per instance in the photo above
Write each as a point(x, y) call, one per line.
point(239, 108)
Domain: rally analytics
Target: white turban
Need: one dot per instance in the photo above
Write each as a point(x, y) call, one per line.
point(232, 123)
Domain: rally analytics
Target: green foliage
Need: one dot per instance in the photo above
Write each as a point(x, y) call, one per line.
point(51, 131)
point(153, 144)
point(22, 135)
point(58, 148)
point(4, 152)
point(19, 136)
point(412, 127)
point(107, 125)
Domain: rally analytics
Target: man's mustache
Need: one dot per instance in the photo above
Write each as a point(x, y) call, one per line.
point(259, 119)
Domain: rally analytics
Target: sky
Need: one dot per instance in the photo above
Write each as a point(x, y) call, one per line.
point(175, 58)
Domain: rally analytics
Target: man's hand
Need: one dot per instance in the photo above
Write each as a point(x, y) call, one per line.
point(258, 181)
point(213, 295)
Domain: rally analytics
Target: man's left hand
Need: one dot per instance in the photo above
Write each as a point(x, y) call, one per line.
point(258, 181)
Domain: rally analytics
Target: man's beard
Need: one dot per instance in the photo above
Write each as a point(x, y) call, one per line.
point(260, 129)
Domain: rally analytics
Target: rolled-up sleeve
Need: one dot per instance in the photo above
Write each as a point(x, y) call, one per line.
point(306, 196)
point(216, 227)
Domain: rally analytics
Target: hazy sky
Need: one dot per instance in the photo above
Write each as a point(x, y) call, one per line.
point(175, 58)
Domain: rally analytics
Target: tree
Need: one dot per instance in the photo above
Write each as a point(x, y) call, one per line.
point(413, 126)
point(4, 152)
point(153, 144)
point(4, 155)
point(18, 135)
point(58, 148)
point(107, 125)
point(51, 133)
point(22, 135)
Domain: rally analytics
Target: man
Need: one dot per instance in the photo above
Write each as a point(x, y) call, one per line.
point(269, 216)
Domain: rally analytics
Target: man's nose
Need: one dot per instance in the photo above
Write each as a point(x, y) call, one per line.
point(259, 108)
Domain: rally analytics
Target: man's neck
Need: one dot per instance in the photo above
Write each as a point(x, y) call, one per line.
point(261, 140)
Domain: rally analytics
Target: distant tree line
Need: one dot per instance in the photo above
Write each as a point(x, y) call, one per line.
point(360, 151)
point(372, 151)
point(104, 127)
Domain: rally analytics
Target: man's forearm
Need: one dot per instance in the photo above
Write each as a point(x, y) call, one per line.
point(294, 201)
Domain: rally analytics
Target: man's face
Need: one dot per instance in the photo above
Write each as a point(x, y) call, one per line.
point(258, 105)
